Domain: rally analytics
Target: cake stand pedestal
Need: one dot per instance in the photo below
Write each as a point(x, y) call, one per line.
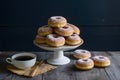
point(58, 57)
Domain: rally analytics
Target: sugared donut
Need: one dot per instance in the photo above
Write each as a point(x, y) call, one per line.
point(84, 64)
point(57, 21)
point(75, 28)
point(40, 39)
point(44, 30)
point(73, 39)
point(55, 40)
point(101, 61)
point(81, 54)
point(64, 31)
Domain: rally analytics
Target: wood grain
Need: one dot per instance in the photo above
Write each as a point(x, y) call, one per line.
point(68, 71)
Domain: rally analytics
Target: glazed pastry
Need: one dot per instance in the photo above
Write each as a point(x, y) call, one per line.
point(75, 28)
point(74, 39)
point(40, 39)
point(64, 31)
point(55, 40)
point(101, 61)
point(45, 30)
point(57, 21)
point(81, 54)
point(84, 64)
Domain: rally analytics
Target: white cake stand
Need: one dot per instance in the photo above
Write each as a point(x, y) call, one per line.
point(58, 58)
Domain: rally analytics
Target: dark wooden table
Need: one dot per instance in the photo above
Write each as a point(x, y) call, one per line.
point(68, 71)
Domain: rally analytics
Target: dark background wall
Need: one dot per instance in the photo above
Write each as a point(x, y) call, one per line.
point(98, 20)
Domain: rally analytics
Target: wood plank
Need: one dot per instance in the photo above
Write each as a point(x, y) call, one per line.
point(4, 73)
point(16, 77)
point(93, 74)
point(97, 73)
point(114, 70)
point(68, 71)
point(62, 72)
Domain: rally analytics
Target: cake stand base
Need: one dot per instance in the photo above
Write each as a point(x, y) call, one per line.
point(58, 58)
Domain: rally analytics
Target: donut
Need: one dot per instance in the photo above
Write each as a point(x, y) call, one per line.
point(84, 64)
point(55, 40)
point(101, 61)
point(45, 30)
point(73, 39)
point(64, 31)
point(57, 21)
point(40, 39)
point(75, 28)
point(81, 54)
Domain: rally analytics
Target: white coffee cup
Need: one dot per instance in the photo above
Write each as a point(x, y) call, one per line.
point(22, 60)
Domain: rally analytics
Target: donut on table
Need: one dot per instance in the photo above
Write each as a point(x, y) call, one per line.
point(57, 21)
point(64, 31)
point(101, 61)
point(45, 30)
point(75, 28)
point(55, 40)
point(84, 64)
point(73, 39)
point(40, 39)
point(82, 54)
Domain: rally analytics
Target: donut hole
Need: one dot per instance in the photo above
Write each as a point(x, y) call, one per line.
point(82, 51)
point(55, 36)
point(101, 57)
point(73, 35)
point(46, 26)
point(85, 60)
point(65, 27)
point(58, 18)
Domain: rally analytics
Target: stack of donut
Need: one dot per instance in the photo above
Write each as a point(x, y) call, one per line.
point(58, 33)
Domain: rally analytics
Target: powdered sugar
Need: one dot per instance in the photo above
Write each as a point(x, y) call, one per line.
point(100, 58)
point(79, 51)
point(44, 28)
point(66, 28)
point(74, 37)
point(84, 60)
point(54, 37)
point(55, 17)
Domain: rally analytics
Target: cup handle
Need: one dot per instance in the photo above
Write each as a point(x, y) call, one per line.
point(9, 60)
